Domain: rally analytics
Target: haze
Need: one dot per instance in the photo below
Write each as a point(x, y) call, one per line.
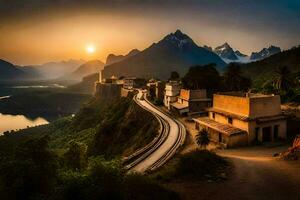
point(34, 32)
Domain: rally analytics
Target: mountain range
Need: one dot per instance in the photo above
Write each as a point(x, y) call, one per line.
point(53, 70)
point(8, 71)
point(227, 53)
point(264, 69)
point(112, 58)
point(90, 67)
point(175, 52)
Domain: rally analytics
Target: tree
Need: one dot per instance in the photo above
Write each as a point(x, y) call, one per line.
point(174, 76)
point(202, 77)
point(234, 80)
point(282, 80)
point(31, 171)
point(202, 138)
point(76, 158)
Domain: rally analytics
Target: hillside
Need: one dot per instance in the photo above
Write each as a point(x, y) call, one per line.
point(111, 58)
point(175, 52)
point(90, 67)
point(53, 70)
point(264, 69)
point(8, 71)
point(86, 85)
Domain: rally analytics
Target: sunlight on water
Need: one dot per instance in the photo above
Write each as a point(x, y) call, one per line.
point(15, 122)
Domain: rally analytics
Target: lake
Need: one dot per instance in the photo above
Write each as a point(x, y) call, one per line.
point(15, 122)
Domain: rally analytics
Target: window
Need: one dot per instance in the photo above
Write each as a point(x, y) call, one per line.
point(229, 120)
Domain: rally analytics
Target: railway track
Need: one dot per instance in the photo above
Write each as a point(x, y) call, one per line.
point(171, 136)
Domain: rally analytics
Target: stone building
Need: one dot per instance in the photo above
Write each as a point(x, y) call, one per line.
point(130, 83)
point(238, 119)
point(191, 102)
point(172, 90)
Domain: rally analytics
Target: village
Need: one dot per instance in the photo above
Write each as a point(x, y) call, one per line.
point(231, 119)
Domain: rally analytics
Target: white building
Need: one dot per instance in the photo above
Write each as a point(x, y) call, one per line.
point(172, 91)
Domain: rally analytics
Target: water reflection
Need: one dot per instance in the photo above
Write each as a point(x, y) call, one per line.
point(15, 122)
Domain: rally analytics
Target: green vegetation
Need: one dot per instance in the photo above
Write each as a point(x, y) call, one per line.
point(78, 157)
point(34, 171)
point(202, 138)
point(195, 165)
point(202, 77)
point(174, 76)
point(233, 79)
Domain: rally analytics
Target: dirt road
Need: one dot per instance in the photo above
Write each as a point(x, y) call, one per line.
point(256, 175)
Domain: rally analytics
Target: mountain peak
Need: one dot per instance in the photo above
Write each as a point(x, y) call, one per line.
point(179, 39)
point(265, 52)
point(226, 52)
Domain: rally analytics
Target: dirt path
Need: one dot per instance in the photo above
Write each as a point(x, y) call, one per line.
point(256, 175)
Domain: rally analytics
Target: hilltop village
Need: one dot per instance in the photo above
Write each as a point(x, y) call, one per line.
point(232, 119)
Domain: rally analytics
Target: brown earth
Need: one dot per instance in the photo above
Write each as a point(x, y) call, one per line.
point(255, 174)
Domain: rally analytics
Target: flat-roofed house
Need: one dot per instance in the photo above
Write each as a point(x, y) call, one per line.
point(172, 90)
point(238, 119)
point(192, 102)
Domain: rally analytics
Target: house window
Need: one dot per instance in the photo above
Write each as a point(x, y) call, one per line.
point(229, 120)
point(213, 115)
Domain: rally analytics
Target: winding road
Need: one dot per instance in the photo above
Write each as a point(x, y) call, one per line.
point(163, 147)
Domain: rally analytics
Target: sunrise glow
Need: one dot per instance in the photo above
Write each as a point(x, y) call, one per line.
point(90, 49)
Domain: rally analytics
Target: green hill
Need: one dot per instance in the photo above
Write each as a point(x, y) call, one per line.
point(264, 69)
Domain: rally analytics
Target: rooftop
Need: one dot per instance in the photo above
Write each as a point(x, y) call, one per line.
point(245, 94)
point(223, 128)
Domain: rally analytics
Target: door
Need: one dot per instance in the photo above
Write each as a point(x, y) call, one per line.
point(220, 137)
point(267, 134)
point(276, 128)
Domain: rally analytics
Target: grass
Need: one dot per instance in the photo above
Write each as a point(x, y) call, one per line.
point(195, 165)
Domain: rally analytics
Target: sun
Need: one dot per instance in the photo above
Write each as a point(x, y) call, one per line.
point(90, 49)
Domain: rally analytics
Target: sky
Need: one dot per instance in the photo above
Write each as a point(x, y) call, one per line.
point(39, 31)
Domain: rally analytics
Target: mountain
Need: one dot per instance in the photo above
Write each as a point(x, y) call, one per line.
point(9, 71)
point(265, 52)
point(265, 68)
point(226, 52)
point(111, 58)
point(87, 84)
point(238, 53)
point(175, 52)
point(90, 67)
point(52, 70)
point(228, 55)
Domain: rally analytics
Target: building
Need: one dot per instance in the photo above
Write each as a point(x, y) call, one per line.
point(107, 88)
point(130, 83)
point(238, 119)
point(156, 89)
point(191, 102)
point(172, 90)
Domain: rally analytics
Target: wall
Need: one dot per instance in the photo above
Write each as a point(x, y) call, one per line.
point(265, 106)
point(108, 90)
point(232, 104)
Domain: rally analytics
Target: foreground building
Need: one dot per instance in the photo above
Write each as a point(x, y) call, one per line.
point(191, 102)
point(238, 119)
point(172, 91)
